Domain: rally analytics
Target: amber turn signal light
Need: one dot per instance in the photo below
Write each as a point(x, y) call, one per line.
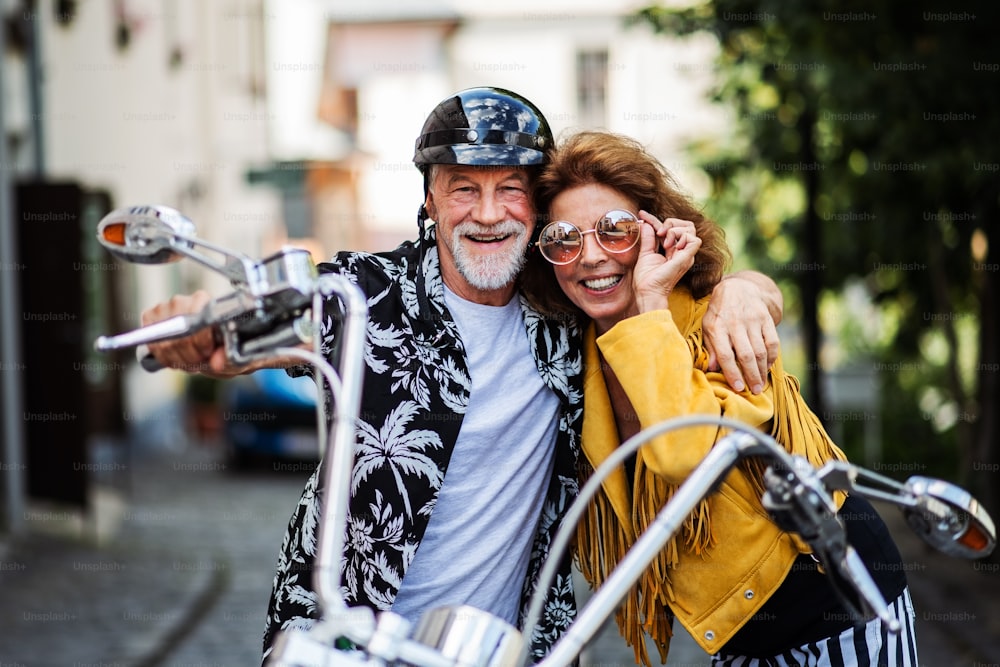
point(974, 539)
point(114, 233)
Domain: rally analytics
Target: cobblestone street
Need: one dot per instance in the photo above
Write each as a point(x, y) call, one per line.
point(230, 525)
point(183, 575)
point(183, 580)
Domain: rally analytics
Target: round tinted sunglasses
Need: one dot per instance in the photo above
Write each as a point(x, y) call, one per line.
point(561, 242)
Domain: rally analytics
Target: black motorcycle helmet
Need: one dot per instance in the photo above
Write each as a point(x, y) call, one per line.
point(483, 126)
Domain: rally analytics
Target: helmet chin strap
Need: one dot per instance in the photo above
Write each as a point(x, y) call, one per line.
point(423, 305)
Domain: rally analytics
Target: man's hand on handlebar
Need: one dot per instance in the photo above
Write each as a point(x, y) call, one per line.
point(202, 351)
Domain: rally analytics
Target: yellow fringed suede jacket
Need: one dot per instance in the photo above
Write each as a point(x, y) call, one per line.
point(729, 557)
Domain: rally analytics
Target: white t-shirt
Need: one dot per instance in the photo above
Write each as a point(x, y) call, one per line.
point(478, 541)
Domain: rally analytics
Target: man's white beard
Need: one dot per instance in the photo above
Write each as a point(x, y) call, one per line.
point(495, 270)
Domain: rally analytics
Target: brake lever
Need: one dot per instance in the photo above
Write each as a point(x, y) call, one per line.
point(800, 502)
point(174, 327)
point(843, 476)
point(217, 312)
point(268, 313)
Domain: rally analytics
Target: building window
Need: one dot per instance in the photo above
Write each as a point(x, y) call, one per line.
point(592, 87)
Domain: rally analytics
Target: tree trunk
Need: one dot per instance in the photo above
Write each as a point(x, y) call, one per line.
point(985, 465)
point(812, 266)
point(945, 305)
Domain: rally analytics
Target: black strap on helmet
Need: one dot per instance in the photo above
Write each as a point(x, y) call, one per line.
point(480, 137)
point(423, 305)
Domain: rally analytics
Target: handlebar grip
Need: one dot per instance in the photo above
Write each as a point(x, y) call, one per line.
point(149, 363)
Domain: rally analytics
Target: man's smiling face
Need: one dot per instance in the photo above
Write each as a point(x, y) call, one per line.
point(484, 219)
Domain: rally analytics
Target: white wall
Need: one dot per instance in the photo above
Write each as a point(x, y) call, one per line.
point(126, 121)
point(296, 43)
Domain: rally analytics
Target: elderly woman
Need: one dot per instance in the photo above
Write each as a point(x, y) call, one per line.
point(625, 250)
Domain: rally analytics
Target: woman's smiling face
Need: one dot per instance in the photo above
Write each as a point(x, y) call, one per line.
point(598, 282)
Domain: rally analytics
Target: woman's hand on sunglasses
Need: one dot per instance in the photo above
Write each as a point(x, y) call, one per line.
point(667, 251)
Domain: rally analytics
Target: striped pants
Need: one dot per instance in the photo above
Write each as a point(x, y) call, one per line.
point(869, 646)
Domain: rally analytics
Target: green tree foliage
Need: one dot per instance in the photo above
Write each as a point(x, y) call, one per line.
point(866, 149)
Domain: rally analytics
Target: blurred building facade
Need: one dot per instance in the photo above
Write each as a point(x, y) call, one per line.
point(383, 65)
point(108, 104)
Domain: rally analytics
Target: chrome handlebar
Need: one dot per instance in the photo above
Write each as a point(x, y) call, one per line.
point(266, 310)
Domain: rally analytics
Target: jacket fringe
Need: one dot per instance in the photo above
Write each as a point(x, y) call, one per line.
point(602, 541)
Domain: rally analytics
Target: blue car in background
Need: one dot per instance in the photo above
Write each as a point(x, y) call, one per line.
point(269, 416)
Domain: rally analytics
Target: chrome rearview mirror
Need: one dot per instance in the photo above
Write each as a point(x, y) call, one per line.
point(145, 234)
point(948, 518)
point(160, 234)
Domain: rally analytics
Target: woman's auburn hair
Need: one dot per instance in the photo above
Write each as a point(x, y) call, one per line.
point(624, 165)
